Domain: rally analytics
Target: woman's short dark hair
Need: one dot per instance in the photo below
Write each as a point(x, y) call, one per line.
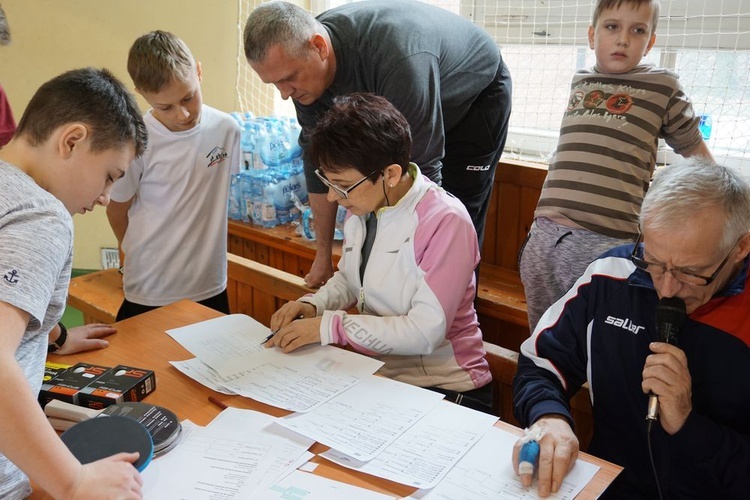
point(362, 131)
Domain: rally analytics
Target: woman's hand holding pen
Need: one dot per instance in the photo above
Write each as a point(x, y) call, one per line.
point(294, 325)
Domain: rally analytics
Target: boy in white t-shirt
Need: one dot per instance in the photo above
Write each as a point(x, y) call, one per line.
point(169, 213)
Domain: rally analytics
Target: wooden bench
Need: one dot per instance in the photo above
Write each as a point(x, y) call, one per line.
point(253, 288)
point(97, 295)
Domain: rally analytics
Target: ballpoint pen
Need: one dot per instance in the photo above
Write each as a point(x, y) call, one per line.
point(277, 330)
point(269, 337)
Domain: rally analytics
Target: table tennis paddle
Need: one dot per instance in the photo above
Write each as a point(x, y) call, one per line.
point(162, 424)
point(98, 438)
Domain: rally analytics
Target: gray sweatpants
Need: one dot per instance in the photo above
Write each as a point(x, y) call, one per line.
point(552, 258)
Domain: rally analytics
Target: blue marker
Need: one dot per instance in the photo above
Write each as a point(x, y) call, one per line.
point(528, 457)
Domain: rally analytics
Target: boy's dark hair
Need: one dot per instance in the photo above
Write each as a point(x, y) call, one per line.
point(602, 5)
point(157, 59)
point(362, 131)
point(90, 96)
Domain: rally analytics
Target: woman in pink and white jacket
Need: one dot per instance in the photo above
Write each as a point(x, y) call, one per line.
point(407, 261)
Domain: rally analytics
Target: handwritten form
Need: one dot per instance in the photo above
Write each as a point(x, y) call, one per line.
point(425, 453)
point(486, 472)
point(238, 452)
point(216, 340)
point(298, 381)
point(364, 422)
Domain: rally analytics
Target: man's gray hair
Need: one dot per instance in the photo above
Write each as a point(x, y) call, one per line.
point(278, 23)
point(680, 191)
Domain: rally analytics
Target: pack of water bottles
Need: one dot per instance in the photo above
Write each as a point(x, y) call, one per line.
point(270, 173)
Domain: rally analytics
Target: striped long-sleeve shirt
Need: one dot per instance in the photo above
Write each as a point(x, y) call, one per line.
point(607, 148)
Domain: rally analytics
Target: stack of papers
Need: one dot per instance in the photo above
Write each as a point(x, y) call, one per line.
point(380, 427)
point(230, 358)
point(238, 453)
point(486, 472)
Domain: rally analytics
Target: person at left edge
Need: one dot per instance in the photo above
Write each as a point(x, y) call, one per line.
point(79, 132)
point(7, 123)
point(407, 262)
point(441, 71)
point(169, 212)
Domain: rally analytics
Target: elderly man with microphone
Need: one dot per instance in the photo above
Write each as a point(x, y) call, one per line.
point(661, 332)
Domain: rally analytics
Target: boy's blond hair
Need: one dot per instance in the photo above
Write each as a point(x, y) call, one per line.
point(602, 5)
point(157, 59)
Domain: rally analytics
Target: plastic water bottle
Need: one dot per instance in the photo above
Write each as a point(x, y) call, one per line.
point(338, 233)
point(268, 216)
point(298, 172)
point(237, 117)
point(245, 188)
point(235, 208)
point(261, 138)
point(247, 145)
point(705, 126)
point(256, 197)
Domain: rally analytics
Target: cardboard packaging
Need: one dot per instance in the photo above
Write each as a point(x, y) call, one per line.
point(121, 383)
point(67, 384)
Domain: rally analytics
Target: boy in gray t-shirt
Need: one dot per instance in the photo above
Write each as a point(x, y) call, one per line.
point(79, 133)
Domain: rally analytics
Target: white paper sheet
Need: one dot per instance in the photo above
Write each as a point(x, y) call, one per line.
point(302, 382)
point(203, 374)
point(293, 446)
point(305, 486)
point(237, 452)
point(215, 340)
point(486, 472)
point(363, 421)
point(298, 381)
point(424, 454)
point(210, 467)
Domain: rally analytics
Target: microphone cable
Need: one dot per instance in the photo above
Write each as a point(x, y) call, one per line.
point(670, 316)
point(651, 458)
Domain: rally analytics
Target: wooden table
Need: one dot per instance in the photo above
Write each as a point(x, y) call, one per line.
point(141, 342)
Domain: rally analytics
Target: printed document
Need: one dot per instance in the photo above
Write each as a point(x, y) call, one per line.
point(364, 421)
point(486, 472)
point(425, 453)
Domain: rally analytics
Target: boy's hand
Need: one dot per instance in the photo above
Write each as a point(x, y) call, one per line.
point(86, 338)
point(109, 478)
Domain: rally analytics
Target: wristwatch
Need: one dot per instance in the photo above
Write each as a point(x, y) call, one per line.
point(57, 344)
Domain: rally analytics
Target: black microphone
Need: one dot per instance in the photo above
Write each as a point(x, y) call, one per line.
point(670, 316)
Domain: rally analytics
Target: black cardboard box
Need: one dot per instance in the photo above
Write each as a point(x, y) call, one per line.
point(67, 384)
point(121, 383)
point(51, 370)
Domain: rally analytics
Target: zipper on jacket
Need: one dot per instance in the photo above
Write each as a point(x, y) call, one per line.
point(361, 299)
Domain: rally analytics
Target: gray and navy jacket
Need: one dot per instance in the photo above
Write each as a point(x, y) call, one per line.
point(599, 333)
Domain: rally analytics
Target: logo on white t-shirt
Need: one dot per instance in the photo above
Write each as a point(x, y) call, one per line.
point(216, 156)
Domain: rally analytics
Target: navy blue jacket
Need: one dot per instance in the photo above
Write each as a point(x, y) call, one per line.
point(599, 333)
